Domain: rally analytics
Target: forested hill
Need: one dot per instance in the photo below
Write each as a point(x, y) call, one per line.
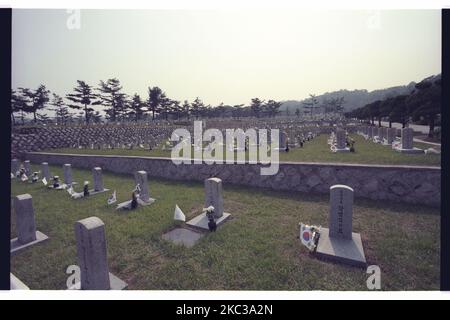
point(353, 99)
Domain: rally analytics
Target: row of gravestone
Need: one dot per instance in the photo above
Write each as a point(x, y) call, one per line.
point(51, 138)
point(90, 232)
point(388, 137)
point(337, 242)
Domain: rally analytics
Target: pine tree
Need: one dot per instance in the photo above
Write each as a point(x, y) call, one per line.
point(155, 99)
point(112, 98)
point(83, 99)
point(61, 111)
point(34, 100)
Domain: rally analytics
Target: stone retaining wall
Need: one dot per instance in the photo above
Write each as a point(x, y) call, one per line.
point(408, 184)
point(42, 138)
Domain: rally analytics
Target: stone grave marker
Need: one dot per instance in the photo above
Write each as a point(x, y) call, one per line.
point(67, 172)
point(407, 142)
point(144, 195)
point(45, 171)
point(98, 182)
point(27, 167)
point(339, 243)
point(27, 235)
point(15, 166)
point(341, 145)
point(213, 197)
point(93, 257)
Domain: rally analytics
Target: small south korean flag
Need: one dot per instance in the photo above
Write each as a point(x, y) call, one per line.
point(112, 199)
point(179, 215)
point(44, 181)
point(306, 236)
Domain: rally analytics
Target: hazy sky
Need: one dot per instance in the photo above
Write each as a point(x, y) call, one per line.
point(227, 56)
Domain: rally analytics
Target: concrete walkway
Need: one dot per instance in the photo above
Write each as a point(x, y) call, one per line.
point(427, 142)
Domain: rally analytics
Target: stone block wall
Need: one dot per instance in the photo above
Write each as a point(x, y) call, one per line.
point(408, 184)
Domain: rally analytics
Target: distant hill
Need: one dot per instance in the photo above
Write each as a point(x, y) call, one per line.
point(353, 98)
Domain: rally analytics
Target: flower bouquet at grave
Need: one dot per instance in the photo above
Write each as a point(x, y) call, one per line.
point(352, 145)
point(209, 211)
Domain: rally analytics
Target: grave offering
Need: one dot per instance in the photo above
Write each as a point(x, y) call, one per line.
point(309, 235)
point(23, 176)
point(214, 198)
point(338, 242)
point(179, 215)
point(86, 189)
point(92, 257)
point(406, 145)
point(35, 177)
point(112, 198)
point(27, 235)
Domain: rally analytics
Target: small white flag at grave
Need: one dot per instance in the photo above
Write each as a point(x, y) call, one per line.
point(77, 195)
point(44, 181)
point(308, 235)
point(179, 215)
point(12, 175)
point(70, 191)
point(112, 199)
point(137, 188)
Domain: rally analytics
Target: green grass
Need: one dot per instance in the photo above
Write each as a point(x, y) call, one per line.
point(314, 151)
point(256, 250)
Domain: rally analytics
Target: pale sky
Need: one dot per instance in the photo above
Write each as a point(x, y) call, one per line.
point(226, 56)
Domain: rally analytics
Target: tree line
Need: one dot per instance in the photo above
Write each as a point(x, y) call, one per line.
point(119, 106)
point(423, 104)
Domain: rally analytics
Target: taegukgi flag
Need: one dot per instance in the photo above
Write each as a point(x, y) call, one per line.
point(308, 235)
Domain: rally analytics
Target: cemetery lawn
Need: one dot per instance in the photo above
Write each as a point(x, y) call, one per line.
point(257, 249)
point(315, 151)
